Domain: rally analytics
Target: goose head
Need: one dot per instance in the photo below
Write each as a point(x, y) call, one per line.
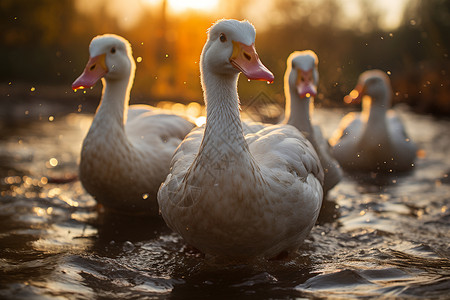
point(110, 57)
point(372, 83)
point(302, 74)
point(230, 49)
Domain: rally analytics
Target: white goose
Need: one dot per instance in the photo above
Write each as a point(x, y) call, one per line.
point(375, 139)
point(300, 88)
point(124, 160)
point(234, 196)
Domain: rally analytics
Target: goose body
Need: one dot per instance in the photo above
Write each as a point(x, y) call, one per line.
point(300, 86)
point(374, 140)
point(126, 154)
point(233, 195)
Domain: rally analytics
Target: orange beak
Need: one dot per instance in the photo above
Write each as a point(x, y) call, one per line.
point(94, 70)
point(305, 84)
point(355, 96)
point(245, 59)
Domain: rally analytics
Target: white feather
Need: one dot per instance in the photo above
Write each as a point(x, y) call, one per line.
point(374, 140)
point(127, 151)
point(299, 111)
point(234, 195)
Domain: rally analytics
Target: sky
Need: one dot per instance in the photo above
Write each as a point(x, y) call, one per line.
point(392, 11)
point(128, 12)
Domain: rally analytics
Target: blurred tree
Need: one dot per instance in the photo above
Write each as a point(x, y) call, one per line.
point(46, 42)
point(424, 45)
point(30, 30)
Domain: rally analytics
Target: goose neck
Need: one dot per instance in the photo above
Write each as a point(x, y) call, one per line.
point(222, 107)
point(374, 109)
point(114, 103)
point(298, 111)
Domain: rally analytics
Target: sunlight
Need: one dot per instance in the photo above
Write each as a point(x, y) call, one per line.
point(183, 5)
point(200, 121)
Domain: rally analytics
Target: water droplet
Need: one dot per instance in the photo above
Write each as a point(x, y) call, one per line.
point(139, 59)
point(53, 162)
point(128, 246)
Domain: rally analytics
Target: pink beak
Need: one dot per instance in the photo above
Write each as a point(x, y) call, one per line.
point(355, 95)
point(94, 70)
point(305, 84)
point(245, 59)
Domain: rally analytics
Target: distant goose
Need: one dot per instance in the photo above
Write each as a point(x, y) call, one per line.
point(240, 196)
point(375, 139)
point(300, 88)
point(127, 151)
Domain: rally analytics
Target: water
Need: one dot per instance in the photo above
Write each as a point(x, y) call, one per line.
point(385, 236)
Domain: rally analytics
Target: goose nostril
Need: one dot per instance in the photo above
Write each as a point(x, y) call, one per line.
point(247, 56)
point(92, 68)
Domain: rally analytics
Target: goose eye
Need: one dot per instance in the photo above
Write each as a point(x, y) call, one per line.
point(223, 38)
point(113, 50)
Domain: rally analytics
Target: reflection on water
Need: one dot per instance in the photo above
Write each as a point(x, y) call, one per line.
point(376, 235)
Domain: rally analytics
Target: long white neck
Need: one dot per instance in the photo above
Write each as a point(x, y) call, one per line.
point(223, 140)
point(374, 111)
point(375, 107)
point(113, 106)
point(298, 111)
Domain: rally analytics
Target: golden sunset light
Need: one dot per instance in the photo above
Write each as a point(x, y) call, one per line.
point(202, 5)
point(144, 154)
point(181, 6)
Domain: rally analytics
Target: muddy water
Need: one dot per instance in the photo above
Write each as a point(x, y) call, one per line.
point(385, 236)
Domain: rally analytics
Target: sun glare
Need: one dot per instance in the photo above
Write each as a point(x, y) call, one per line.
point(182, 5)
